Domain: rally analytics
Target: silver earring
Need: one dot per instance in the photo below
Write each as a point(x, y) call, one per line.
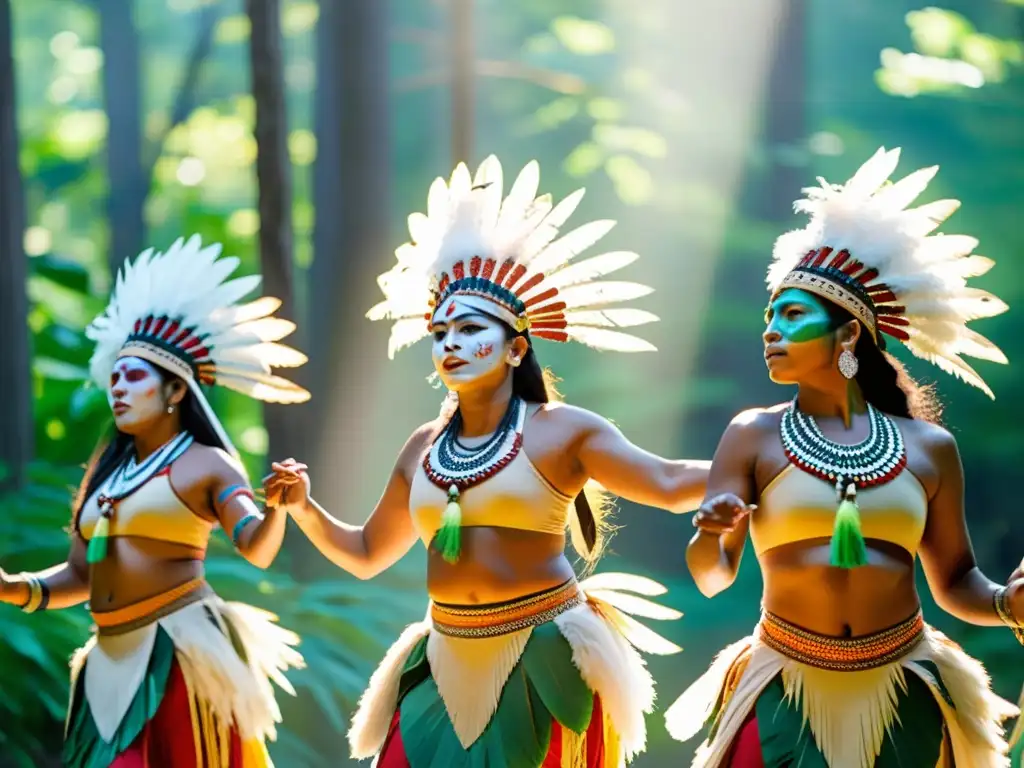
point(170, 409)
point(514, 362)
point(848, 364)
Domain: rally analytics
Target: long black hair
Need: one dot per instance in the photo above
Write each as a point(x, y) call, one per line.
point(882, 378)
point(117, 446)
point(593, 507)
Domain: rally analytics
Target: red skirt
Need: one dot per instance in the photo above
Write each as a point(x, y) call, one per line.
point(393, 753)
point(167, 741)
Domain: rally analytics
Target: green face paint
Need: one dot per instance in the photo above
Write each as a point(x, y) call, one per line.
point(798, 316)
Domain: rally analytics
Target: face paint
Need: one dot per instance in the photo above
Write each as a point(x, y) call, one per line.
point(798, 338)
point(135, 394)
point(464, 348)
point(798, 316)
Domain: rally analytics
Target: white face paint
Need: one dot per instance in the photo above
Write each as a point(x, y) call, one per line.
point(468, 346)
point(136, 394)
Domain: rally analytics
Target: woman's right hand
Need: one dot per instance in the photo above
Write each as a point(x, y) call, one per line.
point(288, 486)
point(721, 514)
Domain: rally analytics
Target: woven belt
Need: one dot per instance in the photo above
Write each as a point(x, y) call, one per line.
point(503, 618)
point(148, 610)
point(840, 653)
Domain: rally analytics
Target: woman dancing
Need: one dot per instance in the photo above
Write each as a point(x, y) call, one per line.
point(517, 664)
point(852, 480)
point(173, 675)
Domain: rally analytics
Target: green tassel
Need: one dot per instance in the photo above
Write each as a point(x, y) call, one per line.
point(448, 540)
point(97, 550)
point(848, 549)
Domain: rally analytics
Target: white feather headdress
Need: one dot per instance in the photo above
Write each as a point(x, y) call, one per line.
point(865, 250)
point(179, 310)
point(504, 257)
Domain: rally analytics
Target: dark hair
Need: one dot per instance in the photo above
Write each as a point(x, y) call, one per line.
point(117, 445)
point(883, 380)
point(534, 385)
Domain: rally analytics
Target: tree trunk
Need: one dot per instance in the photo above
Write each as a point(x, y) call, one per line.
point(463, 76)
point(351, 240)
point(129, 182)
point(15, 377)
point(273, 173)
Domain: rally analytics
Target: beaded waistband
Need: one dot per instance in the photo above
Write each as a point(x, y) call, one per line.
point(152, 608)
point(840, 653)
point(504, 618)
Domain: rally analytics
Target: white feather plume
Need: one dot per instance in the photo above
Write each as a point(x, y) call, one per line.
point(870, 218)
point(191, 284)
point(469, 217)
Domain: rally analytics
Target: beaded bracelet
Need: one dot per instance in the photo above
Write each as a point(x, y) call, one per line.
point(1003, 612)
point(236, 532)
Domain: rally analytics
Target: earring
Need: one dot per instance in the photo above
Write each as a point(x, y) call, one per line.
point(848, 364)
point(514, 362)
point(170, 409)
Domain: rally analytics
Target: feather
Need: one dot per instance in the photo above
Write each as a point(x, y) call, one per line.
point(624, 582)
point(602, 293)
point(569, 246)
point(254, 310)
point(265, 387)
point(590, 269)
point(406, 332)
point(267, 328)
point(610, 341)
point(635, 606)
point(610, 318)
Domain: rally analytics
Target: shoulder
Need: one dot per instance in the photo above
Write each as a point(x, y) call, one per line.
point(757, 422)
point(417, 444)
point(570, 418)
point(215, 464)
point(932, 439)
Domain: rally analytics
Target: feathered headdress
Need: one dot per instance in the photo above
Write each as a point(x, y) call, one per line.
point(502, 257)
point(179, 310)
point(866, 251)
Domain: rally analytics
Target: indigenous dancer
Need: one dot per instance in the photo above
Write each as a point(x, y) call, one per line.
point(517, 664)
point(851, 480)
point(174, 675)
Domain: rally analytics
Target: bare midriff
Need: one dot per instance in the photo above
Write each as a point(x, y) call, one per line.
point(135, 569)
point(498, 565)
point(801, 587)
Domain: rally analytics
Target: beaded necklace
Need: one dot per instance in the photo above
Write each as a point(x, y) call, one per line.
point(455, 468)
point(875, 461)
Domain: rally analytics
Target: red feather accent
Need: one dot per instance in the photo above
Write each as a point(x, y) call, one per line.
point(148, 324)
point(867, 276)
point(138, 325)
point(550, 293)
point(489, 266)
point(852, 267)
point(901, 321)
point(890, 309)
point(840, 259)
point(531, 283)
point(181, 336)
point(884, 296)
point(551, 325)
point(190, 343)
point(896, 333)
point(548, 309)
point(474, 266)
point(515, 277)
point(459, 270)
point(172, 329)
point(159, 326)
point(201, 354)
point(807, 258)
point(822, 255)
point(552, 335)
point(443, 283)
point(502, 271)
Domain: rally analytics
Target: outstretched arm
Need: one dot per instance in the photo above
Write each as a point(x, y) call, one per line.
point(257, 534)
point(62, 586)
point(714, 553)
point(386, 536)
point(956, 582)
point(608, 457)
